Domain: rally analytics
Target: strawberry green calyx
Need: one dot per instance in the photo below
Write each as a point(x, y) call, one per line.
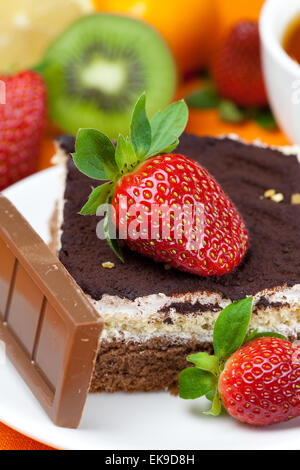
point(97, 157)
point(230, 333)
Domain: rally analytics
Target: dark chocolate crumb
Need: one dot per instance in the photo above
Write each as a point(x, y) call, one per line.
point(168, 321)
point(186, 308)
point(264, 303)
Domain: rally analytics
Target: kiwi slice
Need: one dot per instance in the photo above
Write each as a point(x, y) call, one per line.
point(97, 69)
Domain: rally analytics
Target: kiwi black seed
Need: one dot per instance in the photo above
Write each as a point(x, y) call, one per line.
point(97, 69)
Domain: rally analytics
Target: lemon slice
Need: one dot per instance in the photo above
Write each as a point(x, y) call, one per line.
point(28, 26)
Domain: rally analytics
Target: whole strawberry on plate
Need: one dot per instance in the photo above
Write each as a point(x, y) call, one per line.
point(163, 205)
point(256, 377)
point(22, 123)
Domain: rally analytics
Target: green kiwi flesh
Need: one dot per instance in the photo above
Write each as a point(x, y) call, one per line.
point(96, 70)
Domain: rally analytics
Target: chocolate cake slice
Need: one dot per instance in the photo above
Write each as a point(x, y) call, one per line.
point(154, 317)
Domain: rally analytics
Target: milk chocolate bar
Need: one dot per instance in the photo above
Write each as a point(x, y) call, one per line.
point(50, 329)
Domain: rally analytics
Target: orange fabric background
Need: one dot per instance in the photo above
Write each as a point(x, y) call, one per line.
point(201, 123)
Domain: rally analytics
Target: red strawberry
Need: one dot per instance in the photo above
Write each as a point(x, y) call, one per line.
point(237, 69)
point(214, 239)
point(260, 384)
point(256, 375)
point(167, 206)
point(22, 123)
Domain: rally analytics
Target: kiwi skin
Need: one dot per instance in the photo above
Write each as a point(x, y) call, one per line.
point(96, 70)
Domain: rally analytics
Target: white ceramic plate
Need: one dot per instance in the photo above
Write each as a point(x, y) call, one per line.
point(122, 421)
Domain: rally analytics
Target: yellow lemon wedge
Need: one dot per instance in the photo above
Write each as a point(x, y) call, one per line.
point(27, 27)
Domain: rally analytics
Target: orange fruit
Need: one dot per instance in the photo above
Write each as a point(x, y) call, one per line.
point(208, 122)
point(188, 27)
point(232, 11)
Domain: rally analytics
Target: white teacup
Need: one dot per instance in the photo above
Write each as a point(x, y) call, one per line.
point(282, 74)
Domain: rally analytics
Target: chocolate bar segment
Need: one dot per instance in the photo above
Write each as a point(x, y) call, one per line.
point(50, 329)
point(7, 264)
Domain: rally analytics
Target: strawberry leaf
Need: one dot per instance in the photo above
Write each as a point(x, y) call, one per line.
point(98, 197)
point(266, 334)
point(171, 148)
point(126, 158)
point(108, 228)
point(265, 119)
point(231, 328)
point(230, 112)
point(166, 127)
point(194, 383)
point(210, 395)
point(205, 362)
point(216, 406)
point(140, 130)
point(205, 98)
point(95, 155)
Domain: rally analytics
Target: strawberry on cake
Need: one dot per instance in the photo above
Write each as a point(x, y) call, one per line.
point(161, 284)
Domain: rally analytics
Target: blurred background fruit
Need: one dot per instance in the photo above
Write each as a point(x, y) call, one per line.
point(28, 26)
point(97, 69)
point(237, 69)
point(190, 28)
point(22, 123)
point(232, 11)
point(193, 29)
point(205, 122)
